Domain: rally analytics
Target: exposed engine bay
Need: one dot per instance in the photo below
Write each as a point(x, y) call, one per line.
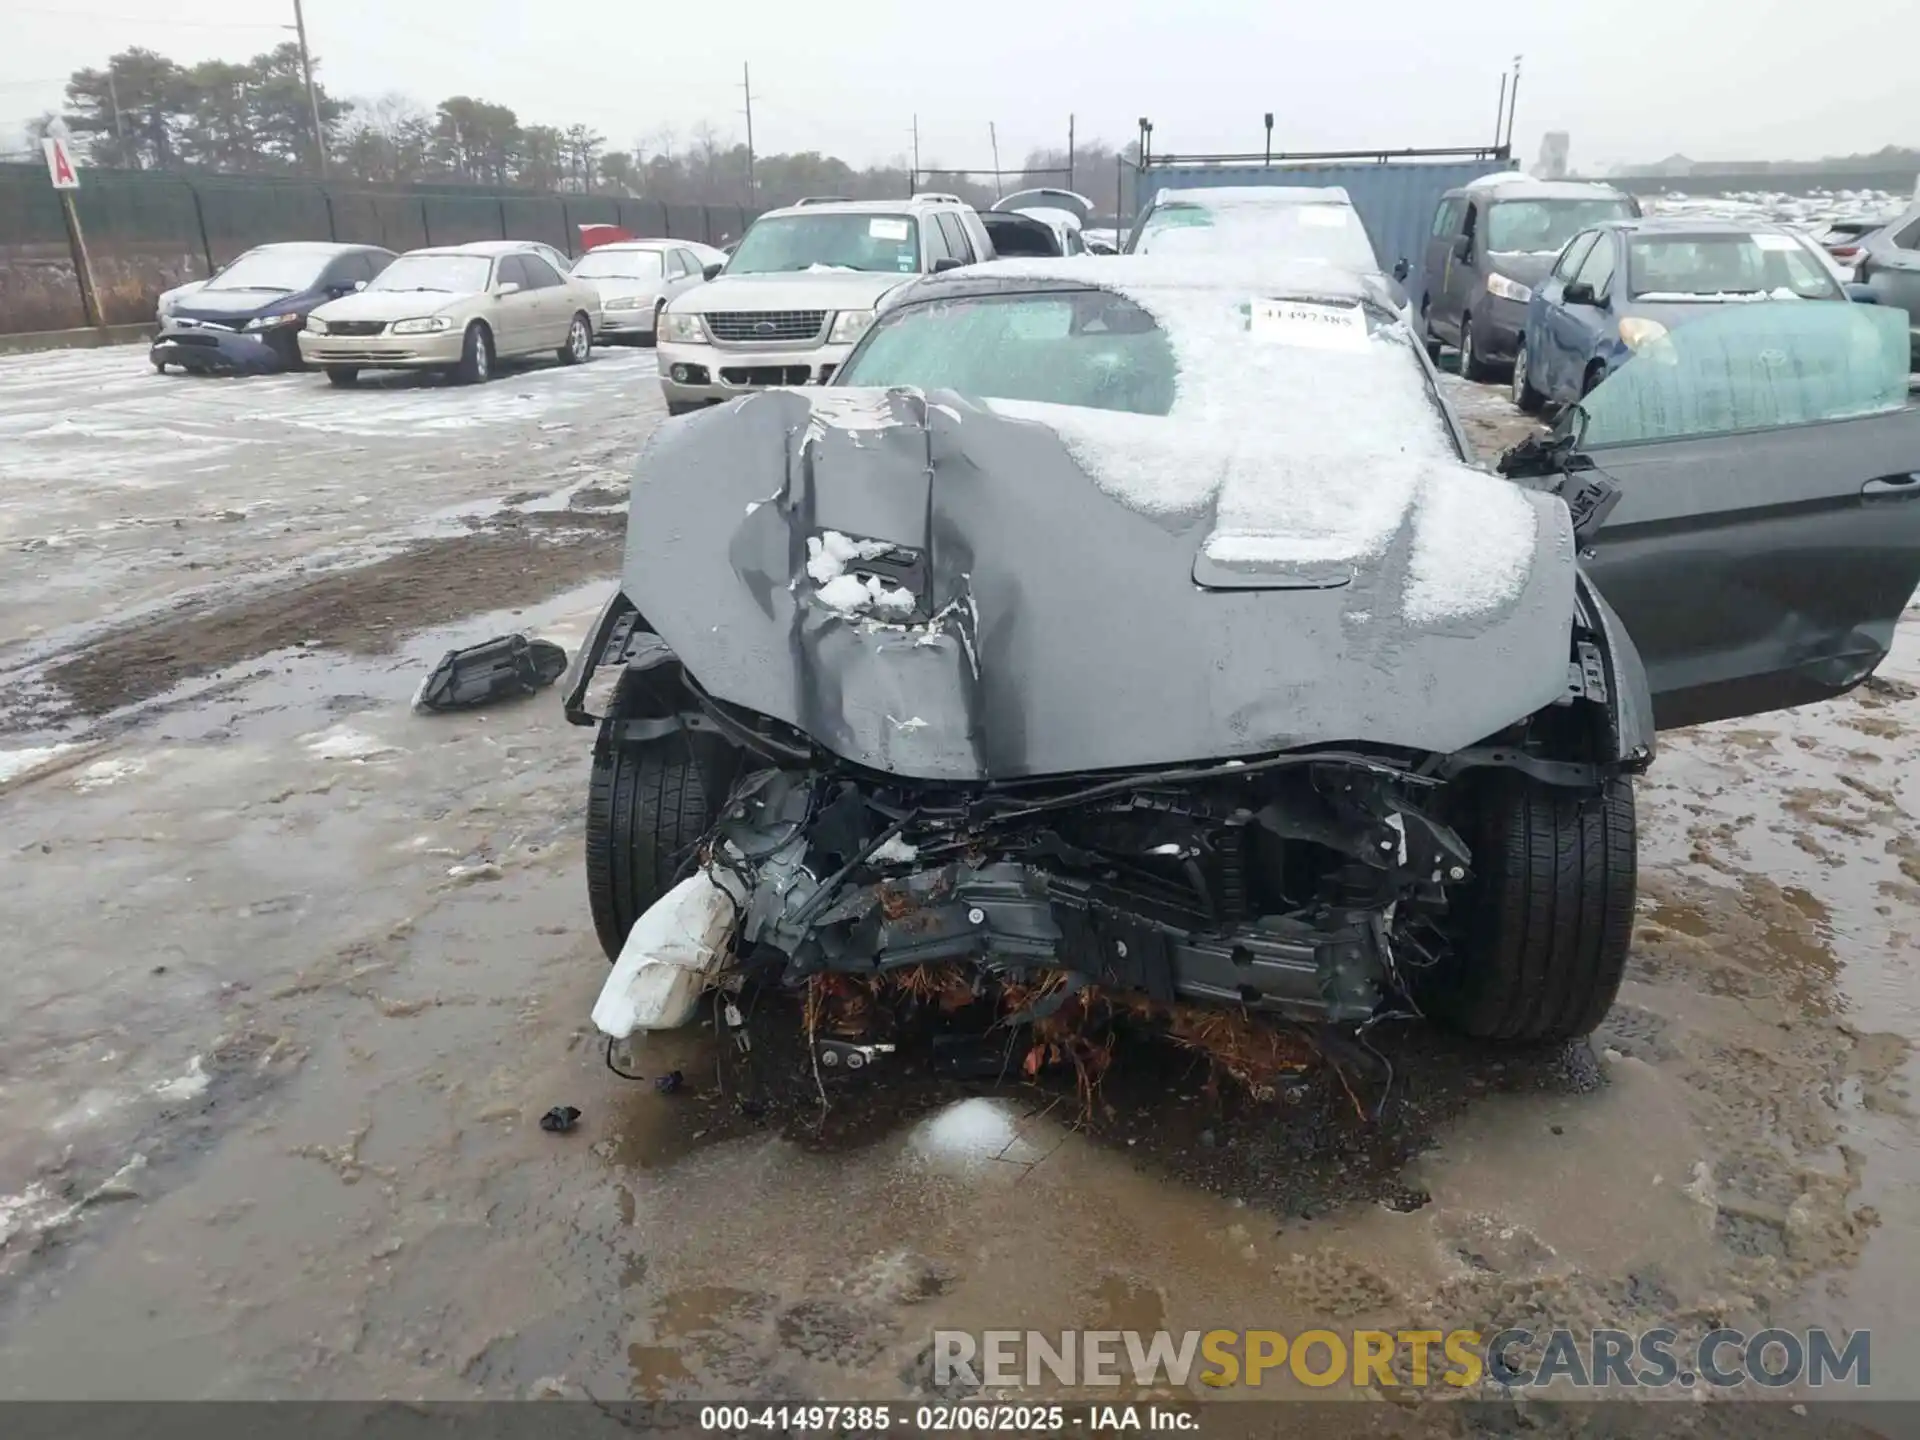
point(1292, 884)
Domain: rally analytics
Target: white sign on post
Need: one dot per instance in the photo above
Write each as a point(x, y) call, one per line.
point(60, 167)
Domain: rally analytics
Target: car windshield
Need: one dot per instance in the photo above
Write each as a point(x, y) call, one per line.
point(1710, 267)
point(456, 274)
point(1750, 367)
point(619, 265)
point(1541, 227)
point(861, 241)
point(280, 270)
point(1089, 348)
point(1281, 231)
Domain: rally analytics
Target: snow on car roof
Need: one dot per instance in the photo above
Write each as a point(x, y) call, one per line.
point(1535, 189)
point(1303, 416)
point(1221, 197)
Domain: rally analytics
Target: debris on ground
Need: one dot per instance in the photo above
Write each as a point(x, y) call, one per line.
point(670, 1083)
point(497, 669)
point(559, 1120)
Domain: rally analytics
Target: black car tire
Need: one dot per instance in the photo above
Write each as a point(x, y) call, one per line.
point(343, 374)
point(579, 342)
point(160, 366)
point(1471, 365)
point(1526, 399)
point(654, 338)
point(1540, 937)
point(476, 356)
point(648, 805)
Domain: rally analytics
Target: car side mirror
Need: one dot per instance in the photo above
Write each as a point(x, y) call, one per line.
point(1579, 292)
point(945, 263)
point(1862, 295)
point(1401, 269)
point(708, 272)
point(1463, 247)
point(506, 288)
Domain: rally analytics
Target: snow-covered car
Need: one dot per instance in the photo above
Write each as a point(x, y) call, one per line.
point(1131, 629)
point(458, 308)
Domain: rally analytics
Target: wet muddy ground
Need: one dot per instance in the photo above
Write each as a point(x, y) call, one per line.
point(294, 972)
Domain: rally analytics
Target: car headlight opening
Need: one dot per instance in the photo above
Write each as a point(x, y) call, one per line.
point(623, 302)
point(1637, 331)
point(274, 322)
point(683, 327)
point(849, 326)
point(427, 325)
point(316, 326)
point(1508, 289)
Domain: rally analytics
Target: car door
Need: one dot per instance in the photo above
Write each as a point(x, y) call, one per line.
point(1433, 264)
point(1767, 532)
point(1547, 356)
point(1462, 255)
point(555, 303)
point(1891, 269)
point(959, 246)
point(515, 317)
point(679, 269)
point(1581, 324)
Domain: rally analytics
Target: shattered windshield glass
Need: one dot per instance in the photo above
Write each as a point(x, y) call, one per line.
point(1753, 367)
point(1090, 348)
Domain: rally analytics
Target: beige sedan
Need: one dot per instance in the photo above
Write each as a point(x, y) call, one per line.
point(456, 308)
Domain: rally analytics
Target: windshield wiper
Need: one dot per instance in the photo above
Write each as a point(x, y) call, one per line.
point(270, 289)
point(412, 289)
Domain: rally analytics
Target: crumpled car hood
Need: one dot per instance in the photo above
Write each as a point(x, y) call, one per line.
point(1026, 621)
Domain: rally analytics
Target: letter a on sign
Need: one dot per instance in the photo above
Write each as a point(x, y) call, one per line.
point(60, 164)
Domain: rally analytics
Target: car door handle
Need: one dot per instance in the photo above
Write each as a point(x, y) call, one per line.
point(1893, 487)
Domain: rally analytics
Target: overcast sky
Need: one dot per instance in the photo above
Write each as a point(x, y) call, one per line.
point(1630, 80)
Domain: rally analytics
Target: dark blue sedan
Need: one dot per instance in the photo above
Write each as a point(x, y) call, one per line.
point(1622, 285)
point(246, 320)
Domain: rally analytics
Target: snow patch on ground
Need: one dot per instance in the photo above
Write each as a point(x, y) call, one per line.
point(345, 744)
point(15, 763)
point(187, 1086)
point(103, 773)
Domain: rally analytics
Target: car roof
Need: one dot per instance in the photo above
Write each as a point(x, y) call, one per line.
point(495, 247)
point(1525, 187)
point(868, 207)
point(642, 245)
point(320, 247)
point(1695, 225)
point(1252, 195)
point(1145, 274)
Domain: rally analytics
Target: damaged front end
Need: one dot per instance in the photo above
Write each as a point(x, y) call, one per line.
point(1297, 884)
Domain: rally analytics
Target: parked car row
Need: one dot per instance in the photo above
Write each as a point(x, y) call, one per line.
point(347, 309)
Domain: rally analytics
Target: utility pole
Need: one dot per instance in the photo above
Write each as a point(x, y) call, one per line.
point(1513, 100)
point(313, 97)
point(993, 136)
point(746, 88)
point(1069, 152)
point(113, 94)
point(913, 180)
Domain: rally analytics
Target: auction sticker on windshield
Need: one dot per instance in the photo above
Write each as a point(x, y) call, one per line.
point(1308, 323)
point(884, 228)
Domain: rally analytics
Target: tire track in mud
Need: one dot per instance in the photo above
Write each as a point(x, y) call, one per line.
point(515, 561)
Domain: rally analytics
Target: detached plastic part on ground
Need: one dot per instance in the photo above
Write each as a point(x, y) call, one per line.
point(496, 669)
point(674, 951)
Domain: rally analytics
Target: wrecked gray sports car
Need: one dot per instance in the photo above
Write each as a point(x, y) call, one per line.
point(1122, 630)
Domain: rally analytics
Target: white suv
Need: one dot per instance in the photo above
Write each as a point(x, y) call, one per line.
point(801, 287)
